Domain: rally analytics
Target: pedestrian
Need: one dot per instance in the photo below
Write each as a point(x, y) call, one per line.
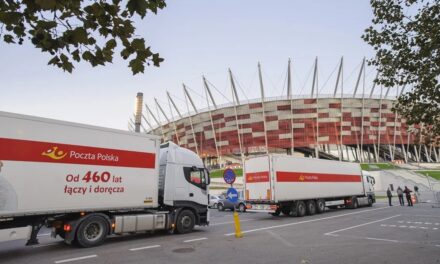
point(400, 195)
point(416, 189)
point(390, 195)
point(408, 192)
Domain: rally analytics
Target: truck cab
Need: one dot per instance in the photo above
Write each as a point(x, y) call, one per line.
point(183, 181)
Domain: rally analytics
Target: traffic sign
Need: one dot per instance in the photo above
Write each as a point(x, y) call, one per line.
point(229, 176)
point(232, 195)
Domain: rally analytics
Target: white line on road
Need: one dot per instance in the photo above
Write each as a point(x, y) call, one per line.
point(46, 234)
point(308, 221)
point(195, 239)
point(381, 239)
point(75, 259)
point(364, 224)
point(231, 222)
point(142, 248)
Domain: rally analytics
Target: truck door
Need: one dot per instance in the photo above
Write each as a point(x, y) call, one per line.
point(257, 179)
point(198, 187)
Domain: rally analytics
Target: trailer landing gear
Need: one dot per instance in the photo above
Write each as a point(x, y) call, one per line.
point(33, 240)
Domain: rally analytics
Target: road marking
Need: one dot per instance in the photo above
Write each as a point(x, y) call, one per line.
point(46, 234)
point(364, 224)
point(231, 222)
point(307, 221)
point(381, 239)
point(45, 245)
point(75, 259)
point(142, 248)
point(195, 239)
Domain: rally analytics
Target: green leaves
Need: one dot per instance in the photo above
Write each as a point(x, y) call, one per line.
point(407, 46)
point(76, 30)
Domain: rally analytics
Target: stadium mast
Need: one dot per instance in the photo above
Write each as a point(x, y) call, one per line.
point(262, 105)
point(188, 97)
point(208, 91)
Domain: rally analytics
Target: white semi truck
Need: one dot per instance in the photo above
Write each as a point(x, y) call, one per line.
point(299, 186)
point(88, 182)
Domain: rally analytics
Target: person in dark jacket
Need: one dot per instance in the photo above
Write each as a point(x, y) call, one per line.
point(390, 195)
point(408, 192)
point(400, 195)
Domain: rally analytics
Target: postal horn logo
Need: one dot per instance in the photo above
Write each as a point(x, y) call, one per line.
point(54, 153)
point(301, 177)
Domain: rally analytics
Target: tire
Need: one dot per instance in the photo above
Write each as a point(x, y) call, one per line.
point(92, 231)
point(242, 208)
point(320, 206)
point(300, 209)
point(214, 206)
point(220, 207)
point(311, 207)
point(354, 202)
point(370, 201)
point(185, 222)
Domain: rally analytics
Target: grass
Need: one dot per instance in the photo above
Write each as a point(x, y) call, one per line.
point(377, 166)
point(432, 173)
point(219, 173)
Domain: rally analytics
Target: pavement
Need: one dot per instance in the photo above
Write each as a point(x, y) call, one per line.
point(378, 234)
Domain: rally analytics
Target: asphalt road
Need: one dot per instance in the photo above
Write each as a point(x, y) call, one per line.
point(379, 234)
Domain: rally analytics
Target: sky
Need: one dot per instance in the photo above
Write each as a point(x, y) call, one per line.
point(196, 38)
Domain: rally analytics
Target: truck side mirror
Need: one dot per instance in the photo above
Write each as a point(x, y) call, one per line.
point(208, 179)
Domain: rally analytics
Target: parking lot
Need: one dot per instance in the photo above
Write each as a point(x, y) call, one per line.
point(380, 234)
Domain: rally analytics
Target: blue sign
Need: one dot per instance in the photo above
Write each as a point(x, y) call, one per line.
point(232, 195)
point(229, 176)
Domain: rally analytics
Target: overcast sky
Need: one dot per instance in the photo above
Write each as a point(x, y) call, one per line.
point(196, 38)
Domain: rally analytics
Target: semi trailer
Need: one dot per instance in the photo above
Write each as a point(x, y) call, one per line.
point(298, 186)
point(87, 183)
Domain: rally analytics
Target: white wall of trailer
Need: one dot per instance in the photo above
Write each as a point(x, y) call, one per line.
point(294, 178)
point(45, 185)
point(255, 170)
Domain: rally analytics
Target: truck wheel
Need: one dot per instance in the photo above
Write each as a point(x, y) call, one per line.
point(185, 222)
point(320, 206)
point(92, 231)
point(311, 207)
point(220, 207)
point(242, 208)
point(300, 209)
point(370, 201)
point(354, 202)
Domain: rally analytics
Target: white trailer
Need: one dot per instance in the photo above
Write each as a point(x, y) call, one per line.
point(88, 182)
point(298, 186)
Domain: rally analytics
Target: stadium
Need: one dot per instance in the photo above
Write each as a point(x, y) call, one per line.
point(359, 126)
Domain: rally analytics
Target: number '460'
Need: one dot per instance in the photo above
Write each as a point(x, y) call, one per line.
point(96, 176)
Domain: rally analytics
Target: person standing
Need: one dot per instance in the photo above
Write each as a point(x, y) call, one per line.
point(390, 195)
point(408, 192)
point(400, 195)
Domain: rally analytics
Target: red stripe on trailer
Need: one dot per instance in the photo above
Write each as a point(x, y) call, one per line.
point(262, 176)
point(37, 151)
point(284, 176)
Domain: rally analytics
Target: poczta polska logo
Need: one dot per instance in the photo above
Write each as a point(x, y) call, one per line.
point(54, 153)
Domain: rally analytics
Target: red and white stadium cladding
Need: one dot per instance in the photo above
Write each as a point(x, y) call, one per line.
point(314, 121)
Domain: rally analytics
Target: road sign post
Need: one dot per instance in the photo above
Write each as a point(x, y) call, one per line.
point(232, 196)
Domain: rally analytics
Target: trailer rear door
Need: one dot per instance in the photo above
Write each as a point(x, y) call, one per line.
point(257, 179)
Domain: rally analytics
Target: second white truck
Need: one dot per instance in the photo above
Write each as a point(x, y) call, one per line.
point(298, 186)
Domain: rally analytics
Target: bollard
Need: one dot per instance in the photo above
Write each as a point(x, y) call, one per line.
point(238, 233)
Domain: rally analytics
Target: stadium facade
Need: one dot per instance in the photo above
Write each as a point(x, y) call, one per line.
point(355, 127)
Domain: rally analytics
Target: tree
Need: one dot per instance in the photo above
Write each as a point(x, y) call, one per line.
point(75, 30)
point(406, 38)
